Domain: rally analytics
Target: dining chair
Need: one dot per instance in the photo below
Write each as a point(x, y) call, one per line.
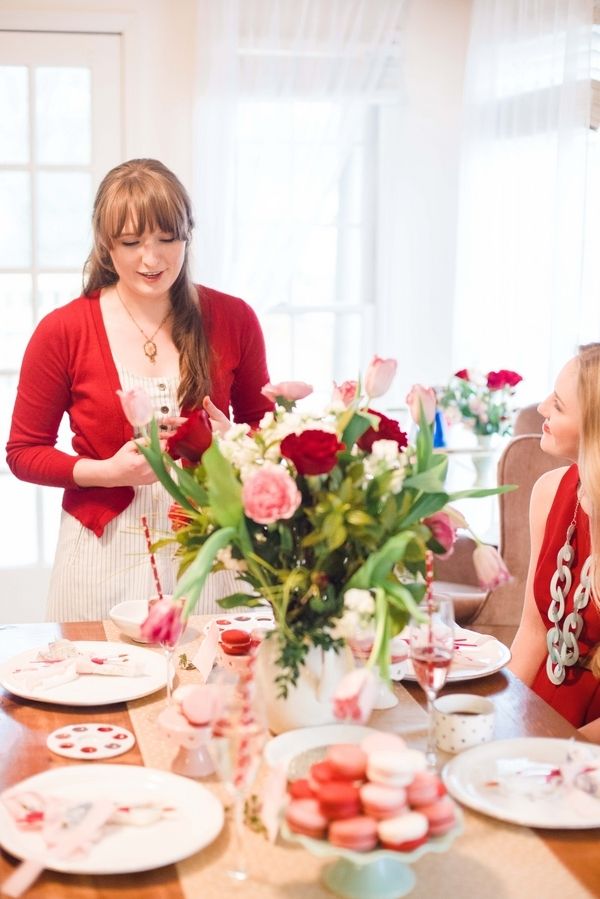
point(522, 462)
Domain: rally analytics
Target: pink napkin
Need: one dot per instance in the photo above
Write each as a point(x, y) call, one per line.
point(204, 657)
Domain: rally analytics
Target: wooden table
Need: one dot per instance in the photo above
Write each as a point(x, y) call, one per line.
point(24, 726)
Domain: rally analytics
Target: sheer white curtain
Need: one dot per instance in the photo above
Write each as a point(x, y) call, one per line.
point(519, 298)
point(286, 130)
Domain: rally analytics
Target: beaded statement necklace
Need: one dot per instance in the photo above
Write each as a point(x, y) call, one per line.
point(561, 639)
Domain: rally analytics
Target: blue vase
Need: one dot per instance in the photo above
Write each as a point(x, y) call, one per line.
point(439, 430)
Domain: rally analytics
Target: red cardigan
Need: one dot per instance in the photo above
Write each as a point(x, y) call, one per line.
point(68, 367)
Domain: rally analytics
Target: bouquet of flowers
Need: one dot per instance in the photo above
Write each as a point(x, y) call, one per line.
point(307, 508)
point(482, 402)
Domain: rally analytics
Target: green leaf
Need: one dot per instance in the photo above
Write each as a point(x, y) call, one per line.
point(430, 481)
point(191, 583)
point(424, 506)
point(224, 489)
point(155, 457)
point(356, 427)
point(490, 491)
point(380, 563)
point(190, 486)
point(424, 441)
point(240, 599)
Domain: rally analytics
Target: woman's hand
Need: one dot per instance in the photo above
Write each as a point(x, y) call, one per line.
point(218, 419)
point(127, 468)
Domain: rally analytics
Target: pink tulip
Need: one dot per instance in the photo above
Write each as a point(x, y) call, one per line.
point(137, 406)
point(269, 494)
point(288, 390)
point(443, 532)
point(355, 695)
point(490, 567)
point(344, 392)
point(421, 396)
point(164, 623)
point(379, 375)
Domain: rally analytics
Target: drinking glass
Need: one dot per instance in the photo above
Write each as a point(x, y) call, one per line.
point(238, 739)
point(168, 650)
point(431, 648)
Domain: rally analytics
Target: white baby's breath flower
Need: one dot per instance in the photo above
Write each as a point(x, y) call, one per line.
point(229, 562)
point(361, 601)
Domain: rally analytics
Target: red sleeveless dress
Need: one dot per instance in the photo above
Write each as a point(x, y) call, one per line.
point(578, 697)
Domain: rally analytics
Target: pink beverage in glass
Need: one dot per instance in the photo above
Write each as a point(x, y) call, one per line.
point(431, 664)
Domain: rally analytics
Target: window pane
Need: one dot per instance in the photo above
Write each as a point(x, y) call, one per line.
point(18, 544)
point(15, 220)
point(55, 290)
point(63, 133)
point(314, 283)
point(8, 391)
point(64, 202)
point(16, 314)
point(14, 108)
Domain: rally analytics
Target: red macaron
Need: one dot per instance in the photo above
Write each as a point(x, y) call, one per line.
point(348, 760)
point(339, 799)
point(235, 642)
point(359, 833)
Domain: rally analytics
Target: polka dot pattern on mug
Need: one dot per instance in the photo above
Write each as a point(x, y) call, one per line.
point(90, 741)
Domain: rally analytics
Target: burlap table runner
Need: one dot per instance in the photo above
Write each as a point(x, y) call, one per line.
point(490, 859)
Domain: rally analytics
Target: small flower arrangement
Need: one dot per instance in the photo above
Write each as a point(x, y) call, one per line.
point(306, 509)
point(482, 402)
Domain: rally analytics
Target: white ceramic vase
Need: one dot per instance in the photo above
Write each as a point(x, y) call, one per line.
point(310, 701)
point(485, 461)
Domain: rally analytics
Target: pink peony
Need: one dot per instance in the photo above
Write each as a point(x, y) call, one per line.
point(137, 406)
point(421, 396)
point(269, 494)
point(490, 567)
point(355, 695)
point(164, 623)
point(443, 532)
point(287, 390)
point(344, 392)
point(379, 375)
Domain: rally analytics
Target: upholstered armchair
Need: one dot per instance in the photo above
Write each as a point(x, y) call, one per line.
point(522, 463)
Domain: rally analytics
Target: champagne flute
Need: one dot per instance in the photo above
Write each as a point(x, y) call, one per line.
point(239, 736)
point(431, 650)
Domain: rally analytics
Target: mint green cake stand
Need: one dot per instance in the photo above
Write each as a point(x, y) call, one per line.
point(380, 874)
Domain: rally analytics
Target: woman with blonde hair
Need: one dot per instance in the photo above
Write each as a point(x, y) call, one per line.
point(140, 323)
point(556, 650)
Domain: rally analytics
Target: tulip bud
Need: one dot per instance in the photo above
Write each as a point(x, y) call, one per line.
point(421, 396)
point(137, 406)
point(379, 375)
point(490, 567)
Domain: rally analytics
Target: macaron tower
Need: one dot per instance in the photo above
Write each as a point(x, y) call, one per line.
point(376, 794)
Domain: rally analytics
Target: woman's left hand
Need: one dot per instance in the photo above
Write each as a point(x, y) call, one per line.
point(218, 419)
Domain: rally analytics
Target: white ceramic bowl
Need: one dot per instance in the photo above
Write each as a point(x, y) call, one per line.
point(128, 617)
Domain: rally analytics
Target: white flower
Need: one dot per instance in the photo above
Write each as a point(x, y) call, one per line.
point(228, 562)
point(385, 456)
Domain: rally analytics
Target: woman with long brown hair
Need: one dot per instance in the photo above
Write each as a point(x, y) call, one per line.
point(557, 647)
point(141, 322)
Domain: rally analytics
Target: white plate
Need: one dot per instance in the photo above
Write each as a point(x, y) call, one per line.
point(526, 799)
point(92, 689)
point(195, 822)
point(90, 741)
point(285, 747)
point(487, 656)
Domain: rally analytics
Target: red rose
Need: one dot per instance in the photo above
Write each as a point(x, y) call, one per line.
point(463, 374)
point(496, 380)
point(192, 438)
point(312, 451)
point(389, 429)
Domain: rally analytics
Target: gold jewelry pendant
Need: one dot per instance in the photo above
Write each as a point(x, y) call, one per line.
point(150, 350)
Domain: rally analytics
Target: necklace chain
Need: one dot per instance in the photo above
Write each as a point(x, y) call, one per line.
point(150, 348)
point(563, 648)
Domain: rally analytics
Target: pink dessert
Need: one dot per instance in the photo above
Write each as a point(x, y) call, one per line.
point(235, 642)
point(423, 789)
point(300, 789)
point(339, 799)
point(304, 816)
point(441, 816)
point(396, 769)
point(404, 833)
point(379, 740)
point(348, 760)
point(320, 773)
point(359, 833)
point(380, 801)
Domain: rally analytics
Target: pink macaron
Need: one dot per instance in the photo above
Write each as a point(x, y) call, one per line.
point(339, 799)
point(441, 816)
point(396, 769)
point(423, 789)
point(348, 760)
point(359, 833)
point(403, 833)
point(320, 773)
point(380, 801)
point(305, 816)
point(300, 789)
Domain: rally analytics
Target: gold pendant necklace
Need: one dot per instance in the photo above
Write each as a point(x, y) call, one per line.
point(150, 348)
